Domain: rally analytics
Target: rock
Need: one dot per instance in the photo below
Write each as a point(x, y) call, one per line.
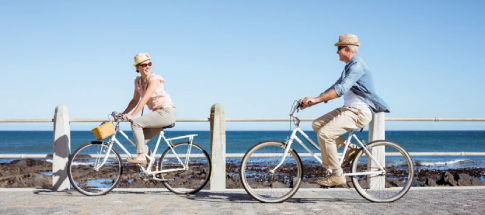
point(463, 179)
point(477, 182)
point(430, 182)
point(447, 179)
point(42, 181)
point(233, 183)
point(396, 183)
point(26, 180)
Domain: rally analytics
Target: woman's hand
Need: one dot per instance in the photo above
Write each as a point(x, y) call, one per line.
point(127, 117)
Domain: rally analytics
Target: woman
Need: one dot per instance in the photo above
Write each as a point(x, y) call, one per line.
point(149, 91)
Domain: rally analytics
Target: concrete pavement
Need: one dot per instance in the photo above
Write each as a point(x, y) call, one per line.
point(463, 200)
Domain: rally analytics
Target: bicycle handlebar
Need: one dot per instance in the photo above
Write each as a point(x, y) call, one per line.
point(297, 107)
point(117, 116)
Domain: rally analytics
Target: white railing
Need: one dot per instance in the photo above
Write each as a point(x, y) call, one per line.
point(218, 154)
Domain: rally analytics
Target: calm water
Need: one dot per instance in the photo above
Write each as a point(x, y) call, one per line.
point(40, 142)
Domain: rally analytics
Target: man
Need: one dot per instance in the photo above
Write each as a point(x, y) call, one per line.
point(360, 102)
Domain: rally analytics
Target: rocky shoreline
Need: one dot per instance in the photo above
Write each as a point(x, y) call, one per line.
point(37, 173)
point(424, 177)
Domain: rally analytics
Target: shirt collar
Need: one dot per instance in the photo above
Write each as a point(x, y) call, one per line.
point(354, 58)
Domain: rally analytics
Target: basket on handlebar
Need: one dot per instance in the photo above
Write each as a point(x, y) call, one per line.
point(104, 130)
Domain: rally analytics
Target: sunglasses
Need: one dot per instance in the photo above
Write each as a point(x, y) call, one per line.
point(145, 64)
point(341, 47)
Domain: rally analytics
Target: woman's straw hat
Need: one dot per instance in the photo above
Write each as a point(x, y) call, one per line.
point(141, 57)
point(348, 39)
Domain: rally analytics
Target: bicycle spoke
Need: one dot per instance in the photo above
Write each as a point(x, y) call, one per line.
point(196, 175)
point(82, 169)
point(263, 180)
point(386, 187)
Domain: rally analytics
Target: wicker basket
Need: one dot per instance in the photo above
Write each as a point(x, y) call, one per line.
point(104, 130)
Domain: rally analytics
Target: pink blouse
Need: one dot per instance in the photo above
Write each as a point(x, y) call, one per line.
point(160, 98)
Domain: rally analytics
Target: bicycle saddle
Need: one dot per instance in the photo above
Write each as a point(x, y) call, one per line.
point(170, 126)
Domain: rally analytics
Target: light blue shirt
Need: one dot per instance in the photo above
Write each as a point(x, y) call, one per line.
point(358, 78)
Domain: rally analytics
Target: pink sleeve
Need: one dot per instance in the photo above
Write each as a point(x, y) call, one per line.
point(157, 77)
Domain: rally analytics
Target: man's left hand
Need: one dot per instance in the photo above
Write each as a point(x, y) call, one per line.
point(307, 102)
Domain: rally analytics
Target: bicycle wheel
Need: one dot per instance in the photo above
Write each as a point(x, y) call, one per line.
point(84, 175)
point(198, 171)
point(259, 179)
point(391, 185)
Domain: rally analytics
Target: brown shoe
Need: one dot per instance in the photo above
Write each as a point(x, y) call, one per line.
point(332, 180)
point(135, 161)
point(350, 155)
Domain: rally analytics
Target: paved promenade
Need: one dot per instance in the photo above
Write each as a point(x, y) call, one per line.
point(307, 201)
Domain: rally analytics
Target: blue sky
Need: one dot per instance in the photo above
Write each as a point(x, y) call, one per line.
point(253, 57)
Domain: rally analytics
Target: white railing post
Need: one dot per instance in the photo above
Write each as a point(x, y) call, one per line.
point(62, 149)
point(218, 148)
point(377, 131)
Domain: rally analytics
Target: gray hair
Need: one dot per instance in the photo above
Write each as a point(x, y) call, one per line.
point(353, 49)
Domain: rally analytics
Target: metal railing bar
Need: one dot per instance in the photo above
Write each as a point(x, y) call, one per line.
point(200, 119)
point(238, 155)
point(25, 155)
point(435, 119)
point(25, 120)
point(256, 119)
point(104, 119)
point(286, 119)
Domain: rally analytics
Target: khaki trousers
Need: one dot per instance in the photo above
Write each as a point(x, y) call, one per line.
point(148, 126)
point(331, 126)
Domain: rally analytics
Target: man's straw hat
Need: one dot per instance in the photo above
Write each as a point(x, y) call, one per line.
point(348, 39)
point(141, 57)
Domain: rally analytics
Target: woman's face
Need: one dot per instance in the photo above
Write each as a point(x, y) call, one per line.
point(144, 68)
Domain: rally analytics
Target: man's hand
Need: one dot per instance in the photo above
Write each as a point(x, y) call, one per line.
point(307, 102)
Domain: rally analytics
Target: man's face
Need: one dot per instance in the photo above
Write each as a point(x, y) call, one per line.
point(343, 52)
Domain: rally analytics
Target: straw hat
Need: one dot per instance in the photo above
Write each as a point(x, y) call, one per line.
point(141, 57)
point(348, 39)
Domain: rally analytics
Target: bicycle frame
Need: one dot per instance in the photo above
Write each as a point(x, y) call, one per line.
point(293, 136)
point(151, 158)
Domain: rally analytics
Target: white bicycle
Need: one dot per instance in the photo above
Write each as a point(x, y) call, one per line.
point(96, 167)
point(272, 171)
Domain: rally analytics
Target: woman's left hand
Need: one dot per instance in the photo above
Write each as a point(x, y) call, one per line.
point(127, 117)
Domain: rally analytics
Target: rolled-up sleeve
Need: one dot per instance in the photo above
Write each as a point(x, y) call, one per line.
point(354, 73)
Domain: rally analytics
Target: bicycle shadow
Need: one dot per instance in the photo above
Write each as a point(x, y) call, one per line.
point(221, 196)
point(214, 196)
point(239, 197)
point(44, 191)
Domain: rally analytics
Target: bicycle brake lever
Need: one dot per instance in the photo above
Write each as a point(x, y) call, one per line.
point(114, 114)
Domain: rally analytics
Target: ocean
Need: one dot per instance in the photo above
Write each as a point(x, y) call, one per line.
point(40, 142)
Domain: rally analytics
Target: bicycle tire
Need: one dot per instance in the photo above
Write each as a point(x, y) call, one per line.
point(256, 176)
point(188, 181)
point(82, 175)
point(399, 173)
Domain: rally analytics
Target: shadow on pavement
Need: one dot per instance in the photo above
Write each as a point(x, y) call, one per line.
point(216, 196)
point(246, 198)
